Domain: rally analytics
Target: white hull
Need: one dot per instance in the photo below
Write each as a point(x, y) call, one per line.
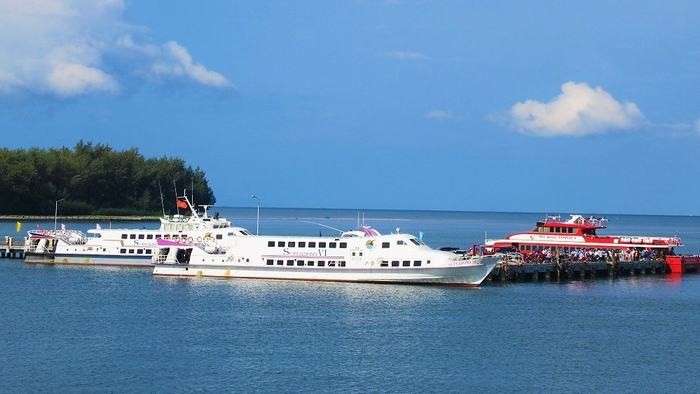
point(463, 275)
point(115, 261)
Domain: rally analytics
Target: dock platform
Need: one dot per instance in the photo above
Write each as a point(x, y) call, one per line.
point(12, 248)
point(569, 270)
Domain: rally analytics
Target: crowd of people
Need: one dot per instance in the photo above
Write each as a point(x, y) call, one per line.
point(548, 255)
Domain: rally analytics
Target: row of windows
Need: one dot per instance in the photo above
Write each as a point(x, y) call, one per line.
point(310, 244)
point(166, 236)
point(404, 263)
point(188, 227)
point(386, 245)
point(135, 251)
point(565, 230)
point(307, 263)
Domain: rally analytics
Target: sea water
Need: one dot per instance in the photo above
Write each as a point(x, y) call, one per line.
point(84, 329)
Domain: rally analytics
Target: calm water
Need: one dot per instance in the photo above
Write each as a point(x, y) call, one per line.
point(102, 329)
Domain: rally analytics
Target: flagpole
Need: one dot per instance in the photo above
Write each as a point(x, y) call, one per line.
point(55, 215)
point(257, 217)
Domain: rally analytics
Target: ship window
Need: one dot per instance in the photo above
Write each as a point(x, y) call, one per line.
point(353, 253)
point(122, 250)
point(343, 245)
point(124, 236)
point(148, 251)
point(166, 236)
point(291, 244)
point(290, 262)
point(414, 241)
point(300, 263)
point(394, 263)
point(310, 263)
point(141, 236)
point(331, 244)
point(406, 263)
point(312, 244)
point(341, 263)
point(321, 244)
point(557, 229)
point(331, 263)
point(400, 242)
point(428, 262)
point(219, 236)
point(302, 244)
point(270, 262)
point(417, 263)
point(280, 262)
point(360, 253)
point(149, 236)
point(551, 229)
point(321, 263)
point(140, 251)
point(158, 236)
point(385, 245)
point(280, 244)
point(132, 236)
point(131, 251)
point(384, 263)
point(270, 243)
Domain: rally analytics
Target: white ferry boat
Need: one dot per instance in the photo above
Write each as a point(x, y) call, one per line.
point(128, 247)
point(363, 255)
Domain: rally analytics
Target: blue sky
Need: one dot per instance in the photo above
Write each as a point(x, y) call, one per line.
point(490, 106)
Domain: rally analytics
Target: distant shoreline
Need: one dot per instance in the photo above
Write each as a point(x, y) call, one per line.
point(104, 218)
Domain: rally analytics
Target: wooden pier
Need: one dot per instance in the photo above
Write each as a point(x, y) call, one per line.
point(12, 248)
point(569, 270)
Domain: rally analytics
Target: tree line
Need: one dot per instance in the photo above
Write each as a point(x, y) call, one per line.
point(95, 179)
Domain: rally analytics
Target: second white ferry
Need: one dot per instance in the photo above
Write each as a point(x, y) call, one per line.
point(128, 247)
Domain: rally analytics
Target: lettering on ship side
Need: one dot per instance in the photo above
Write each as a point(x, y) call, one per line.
point(314, 253)
point(553, 238)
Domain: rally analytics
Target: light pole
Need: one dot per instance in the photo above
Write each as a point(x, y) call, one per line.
point(55, 214)
point(257, 217)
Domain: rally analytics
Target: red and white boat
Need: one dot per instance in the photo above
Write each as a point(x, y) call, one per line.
point(578, 232)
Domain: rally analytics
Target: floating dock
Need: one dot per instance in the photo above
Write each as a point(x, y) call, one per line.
point(683, 264)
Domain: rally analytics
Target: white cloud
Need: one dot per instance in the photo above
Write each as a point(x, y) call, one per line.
point(438, 114)
point(75, 79)
point(579, 110)
point(406, 55)
point(183, 66)
point(69, 48)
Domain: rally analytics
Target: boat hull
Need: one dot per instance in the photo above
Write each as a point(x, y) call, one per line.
point(93, 260)
point(462, 275)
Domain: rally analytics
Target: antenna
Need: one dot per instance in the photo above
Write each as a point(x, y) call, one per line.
point(192, 190)
point(322, 225)
point(162, 202)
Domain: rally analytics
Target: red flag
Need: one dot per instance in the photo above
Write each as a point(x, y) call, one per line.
point(181, 204)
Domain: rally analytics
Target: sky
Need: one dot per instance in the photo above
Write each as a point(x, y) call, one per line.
point(535, 106)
